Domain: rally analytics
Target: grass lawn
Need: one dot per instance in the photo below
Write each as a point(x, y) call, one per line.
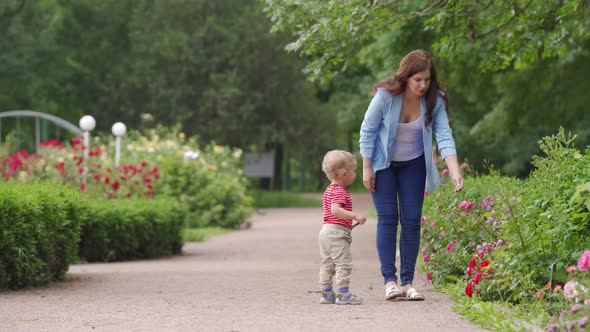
point(202, 233)
point(275, 199)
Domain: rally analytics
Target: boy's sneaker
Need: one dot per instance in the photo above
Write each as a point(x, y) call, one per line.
point(328, 297)
point(348, 299)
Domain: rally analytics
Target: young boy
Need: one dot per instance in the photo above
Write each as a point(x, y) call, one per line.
point(335, 239)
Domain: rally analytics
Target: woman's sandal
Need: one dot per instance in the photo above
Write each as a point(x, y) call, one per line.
point(412, 295)
point(393, 292)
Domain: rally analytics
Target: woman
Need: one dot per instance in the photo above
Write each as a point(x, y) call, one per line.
point(396, 145)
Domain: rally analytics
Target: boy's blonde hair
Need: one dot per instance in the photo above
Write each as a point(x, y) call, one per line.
point(337, 162)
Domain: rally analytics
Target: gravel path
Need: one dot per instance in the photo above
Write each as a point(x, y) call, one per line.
point(260, 279)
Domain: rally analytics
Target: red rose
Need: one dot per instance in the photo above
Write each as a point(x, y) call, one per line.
point(469, 289)
point(477, 278)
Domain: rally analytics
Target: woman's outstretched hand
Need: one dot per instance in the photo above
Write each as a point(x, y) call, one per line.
point(457, 181)
point(369, 178)
point(455, 172)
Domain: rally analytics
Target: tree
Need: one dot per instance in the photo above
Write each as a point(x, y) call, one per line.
point(210, 66)
point(508, 32)
point(513, 69)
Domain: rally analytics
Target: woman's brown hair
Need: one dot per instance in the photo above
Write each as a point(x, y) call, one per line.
point(413, 63)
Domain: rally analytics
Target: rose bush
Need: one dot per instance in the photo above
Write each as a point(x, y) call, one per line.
point(208, 179)
point(575, 298)
point(498, 238)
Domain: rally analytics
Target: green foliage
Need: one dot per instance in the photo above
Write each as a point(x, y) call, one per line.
point(519, 227)
point(522, 32)
point(273, 199)
point(40, 226)
point(448, 222)
point(514, 71)
point(208, 180)
point(132, 229)
point(497, 316)
point(574, 297)
point(559, 225)
point(204, 64)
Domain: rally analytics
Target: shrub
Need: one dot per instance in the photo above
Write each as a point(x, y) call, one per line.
point(461, 228)
point(40, 229)
point(64, 164)
point(519, 227)
point(208, 180)
point(132, 229)
point(574, 297)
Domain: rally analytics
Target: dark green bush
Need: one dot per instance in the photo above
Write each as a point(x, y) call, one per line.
point(132, 229)
point(39, 232)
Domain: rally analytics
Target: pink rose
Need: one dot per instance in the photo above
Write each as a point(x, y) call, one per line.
point(584, 261)
point(582, 322)
point(485, 204)
point(569, 290)
point(463, 204)
point(428, 276)
point(450, 246)
point(425, 258)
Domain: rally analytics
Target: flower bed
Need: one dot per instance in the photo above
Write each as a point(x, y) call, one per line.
point(208, 180)
point(499, 237)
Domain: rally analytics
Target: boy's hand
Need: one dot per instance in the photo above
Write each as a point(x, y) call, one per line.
point(360, 218)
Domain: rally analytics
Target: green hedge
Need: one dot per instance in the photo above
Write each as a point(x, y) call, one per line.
point(39, 232)
point(132, 229)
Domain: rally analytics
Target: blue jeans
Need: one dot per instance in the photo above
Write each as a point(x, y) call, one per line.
point(398, 198)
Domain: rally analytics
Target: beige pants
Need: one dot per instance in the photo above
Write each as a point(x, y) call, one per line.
point(336, 263)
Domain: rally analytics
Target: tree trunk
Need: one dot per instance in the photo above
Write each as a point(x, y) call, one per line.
point(278, 176)
point(350, 144)
point(264, 183)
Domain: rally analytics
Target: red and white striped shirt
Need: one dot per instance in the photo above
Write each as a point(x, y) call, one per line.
point(336, 194)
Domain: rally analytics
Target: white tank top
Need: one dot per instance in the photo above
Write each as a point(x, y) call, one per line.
point(408, 141)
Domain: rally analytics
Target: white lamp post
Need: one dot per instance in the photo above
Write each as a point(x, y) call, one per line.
point(118, 130)
point(87, 124)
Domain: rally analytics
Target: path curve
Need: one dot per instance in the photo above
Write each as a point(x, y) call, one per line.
point(260, 279)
